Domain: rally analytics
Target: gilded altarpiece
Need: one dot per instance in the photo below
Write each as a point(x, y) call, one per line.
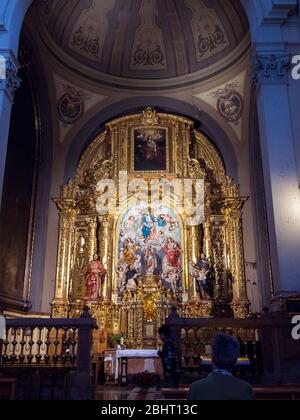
point(157, 277)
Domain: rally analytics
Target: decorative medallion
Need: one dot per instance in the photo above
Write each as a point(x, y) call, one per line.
point(150, 117)
point(70, 106)
point(230, 103)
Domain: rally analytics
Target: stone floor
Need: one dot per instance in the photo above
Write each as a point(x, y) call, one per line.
point(131, 393)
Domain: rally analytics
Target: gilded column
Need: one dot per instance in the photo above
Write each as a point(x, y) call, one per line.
point(92, 235)
point(207, 242)
point(67, 217)
point(194, 251)
point(185, 135)
point(195, 240)
point(240, 303)
point(187, 279)
point(105, 240)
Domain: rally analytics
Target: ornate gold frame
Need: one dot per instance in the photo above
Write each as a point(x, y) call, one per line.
point(82, 232)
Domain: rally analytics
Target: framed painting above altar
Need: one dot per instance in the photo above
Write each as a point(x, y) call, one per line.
point(150, 150)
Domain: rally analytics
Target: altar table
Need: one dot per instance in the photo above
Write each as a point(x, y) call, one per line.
point(132, 362)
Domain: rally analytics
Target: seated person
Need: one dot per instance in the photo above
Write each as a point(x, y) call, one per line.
point(221, 385)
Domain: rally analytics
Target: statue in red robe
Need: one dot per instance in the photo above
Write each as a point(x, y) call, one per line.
point(95, 278)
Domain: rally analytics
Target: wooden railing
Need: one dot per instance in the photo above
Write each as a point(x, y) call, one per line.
point(267, 348)
point(61, 347)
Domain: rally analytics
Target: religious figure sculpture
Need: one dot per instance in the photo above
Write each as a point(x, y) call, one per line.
point(172, 278)
point(202, 274)
point(131, 279)
point(121, 272)
point(95, 277)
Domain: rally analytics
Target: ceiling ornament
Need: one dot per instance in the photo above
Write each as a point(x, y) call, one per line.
point(230, 103)
point(90, 30)
point(70, 105)
point(209, 33)
point(149, 48)
point(119, 43)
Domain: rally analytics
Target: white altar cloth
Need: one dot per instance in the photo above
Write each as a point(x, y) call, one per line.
point(147, 355)
point(137, 354)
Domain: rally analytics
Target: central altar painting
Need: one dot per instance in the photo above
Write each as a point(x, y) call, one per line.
point(150, 243)
point(132, 264)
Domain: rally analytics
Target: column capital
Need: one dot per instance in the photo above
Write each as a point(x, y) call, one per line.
point(270, 68)
point(9, 80)
point(278, 11)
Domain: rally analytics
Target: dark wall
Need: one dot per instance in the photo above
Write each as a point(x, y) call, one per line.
point(15, 216)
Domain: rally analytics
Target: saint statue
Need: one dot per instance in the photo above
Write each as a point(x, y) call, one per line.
point(202, 273)
point(95, 277)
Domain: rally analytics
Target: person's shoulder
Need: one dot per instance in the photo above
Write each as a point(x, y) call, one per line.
point(201, 383)
point(244, 387)
point(242, 383)
point(199, 389)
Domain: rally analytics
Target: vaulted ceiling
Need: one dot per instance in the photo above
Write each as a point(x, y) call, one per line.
point(144, 39)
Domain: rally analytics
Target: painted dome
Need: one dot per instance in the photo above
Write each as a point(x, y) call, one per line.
point(145, 39)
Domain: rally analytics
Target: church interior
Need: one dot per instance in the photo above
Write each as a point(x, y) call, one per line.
point(149, 175)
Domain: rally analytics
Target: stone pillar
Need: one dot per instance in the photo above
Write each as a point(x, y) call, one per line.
point(271, 72)
point(8, 87)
